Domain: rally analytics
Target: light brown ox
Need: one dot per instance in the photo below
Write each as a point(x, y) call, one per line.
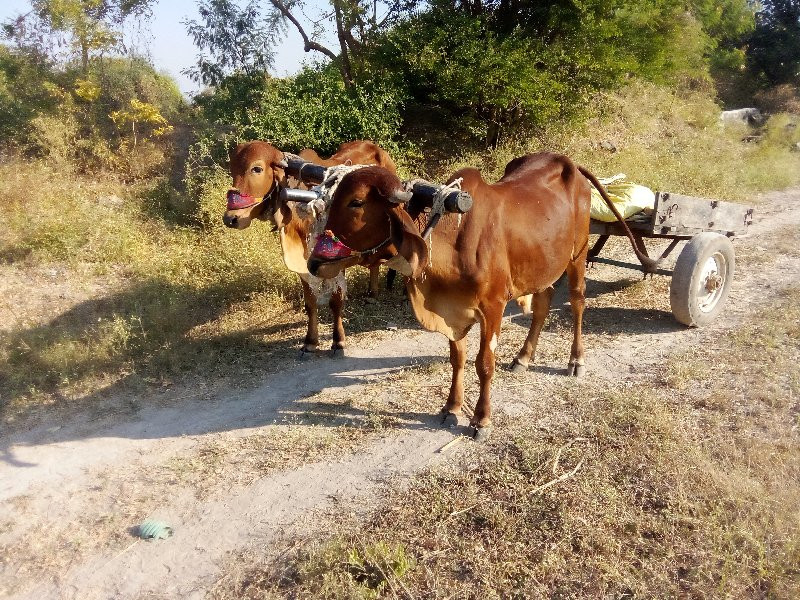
point(520, 236)
point(258, 170)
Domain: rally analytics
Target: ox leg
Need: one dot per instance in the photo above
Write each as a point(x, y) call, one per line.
point(458, 357)
point(312, 333)
point(336, 305)
point(484, 365)
point(540, 306)
point(374, 281)
point(577, 302)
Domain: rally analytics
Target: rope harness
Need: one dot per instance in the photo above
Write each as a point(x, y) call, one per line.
point(437, 210)
point(317, 212)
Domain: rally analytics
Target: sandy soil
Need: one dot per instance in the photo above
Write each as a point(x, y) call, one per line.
point(72, 492)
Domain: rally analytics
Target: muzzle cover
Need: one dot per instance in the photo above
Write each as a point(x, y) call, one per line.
point(237, 200)
point(330, 247)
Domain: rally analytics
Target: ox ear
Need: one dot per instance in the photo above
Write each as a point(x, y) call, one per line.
point(234, 149)
point(412, 251)
point(282, 163)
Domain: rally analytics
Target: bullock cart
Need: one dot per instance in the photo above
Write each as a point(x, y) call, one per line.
point(703, 271)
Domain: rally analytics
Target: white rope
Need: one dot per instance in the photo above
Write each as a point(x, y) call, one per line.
point(437, 208)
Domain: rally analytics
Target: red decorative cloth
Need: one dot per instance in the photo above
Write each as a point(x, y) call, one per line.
point(330, 247)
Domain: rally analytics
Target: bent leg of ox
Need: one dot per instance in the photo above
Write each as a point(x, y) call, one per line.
point(576, 270)
point(484, 365)
point(336, 303)
point(458, 357)
point(540, 306)
point(312, 334)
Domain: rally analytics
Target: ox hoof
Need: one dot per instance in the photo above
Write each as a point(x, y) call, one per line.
point(337, 353)
point(306, 354)
point(449, 420)
point(479, 434)
point(576, 370)
point(518, 367)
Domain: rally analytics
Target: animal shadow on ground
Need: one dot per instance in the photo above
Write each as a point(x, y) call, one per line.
point(147, 333)
point(281, 398)
point(606, 320)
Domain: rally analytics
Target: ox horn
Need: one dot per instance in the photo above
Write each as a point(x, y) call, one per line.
point(401, 196)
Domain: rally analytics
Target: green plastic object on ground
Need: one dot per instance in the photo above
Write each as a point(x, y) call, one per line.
point(629, 199)
point(154, 530)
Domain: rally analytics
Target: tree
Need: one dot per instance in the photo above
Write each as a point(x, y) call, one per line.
point(241, 39)
point(231, 40)
point(507, 62)
point(774, 48)
point(89, 25)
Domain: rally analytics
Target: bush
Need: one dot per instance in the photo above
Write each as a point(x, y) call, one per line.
point(310, 110)
point(27, 89)
point(67, 116)
point(781, 98)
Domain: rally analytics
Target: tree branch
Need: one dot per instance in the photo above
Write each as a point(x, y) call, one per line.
point(346, 67)
point(308, 44)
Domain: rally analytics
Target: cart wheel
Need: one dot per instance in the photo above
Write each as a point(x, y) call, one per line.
point(701, 279)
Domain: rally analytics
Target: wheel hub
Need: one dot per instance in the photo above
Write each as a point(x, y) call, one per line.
point(711, 282)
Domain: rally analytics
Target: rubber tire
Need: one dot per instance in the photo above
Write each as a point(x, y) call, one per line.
point(685, 282)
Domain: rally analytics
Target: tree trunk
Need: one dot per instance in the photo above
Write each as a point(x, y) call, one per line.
point(84, 56)
point(345, 66)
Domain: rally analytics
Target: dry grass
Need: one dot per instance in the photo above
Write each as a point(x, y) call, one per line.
point(319, 428)
point(171, 301)
point(667, 139)
point(684, 490)
point(318, 433)
point(145, 299)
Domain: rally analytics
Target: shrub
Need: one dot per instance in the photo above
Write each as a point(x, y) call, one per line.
point(27, 89)
point(310, 110)
point(67, 116)
point(781, 98)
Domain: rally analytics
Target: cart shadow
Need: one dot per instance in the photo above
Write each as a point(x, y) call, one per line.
point(606, 320)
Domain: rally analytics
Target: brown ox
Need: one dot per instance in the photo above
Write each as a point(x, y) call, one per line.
point(259, 170)
point(520, 236)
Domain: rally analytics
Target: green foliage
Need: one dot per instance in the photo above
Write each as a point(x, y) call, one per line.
point(456, 61)
point(528, 63)
point(231, 39)
point(27, 88)
point(313, 109)
point(67, 115)
point(207, 189)
point(774, 47)
point(88, 27)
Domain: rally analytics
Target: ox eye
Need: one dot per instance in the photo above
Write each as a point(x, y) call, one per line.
point(257, 169)
point(355, 204)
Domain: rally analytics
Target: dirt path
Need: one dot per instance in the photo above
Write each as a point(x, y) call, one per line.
point(71, 492)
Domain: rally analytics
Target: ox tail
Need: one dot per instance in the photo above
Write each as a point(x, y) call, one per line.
point(648, 263)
